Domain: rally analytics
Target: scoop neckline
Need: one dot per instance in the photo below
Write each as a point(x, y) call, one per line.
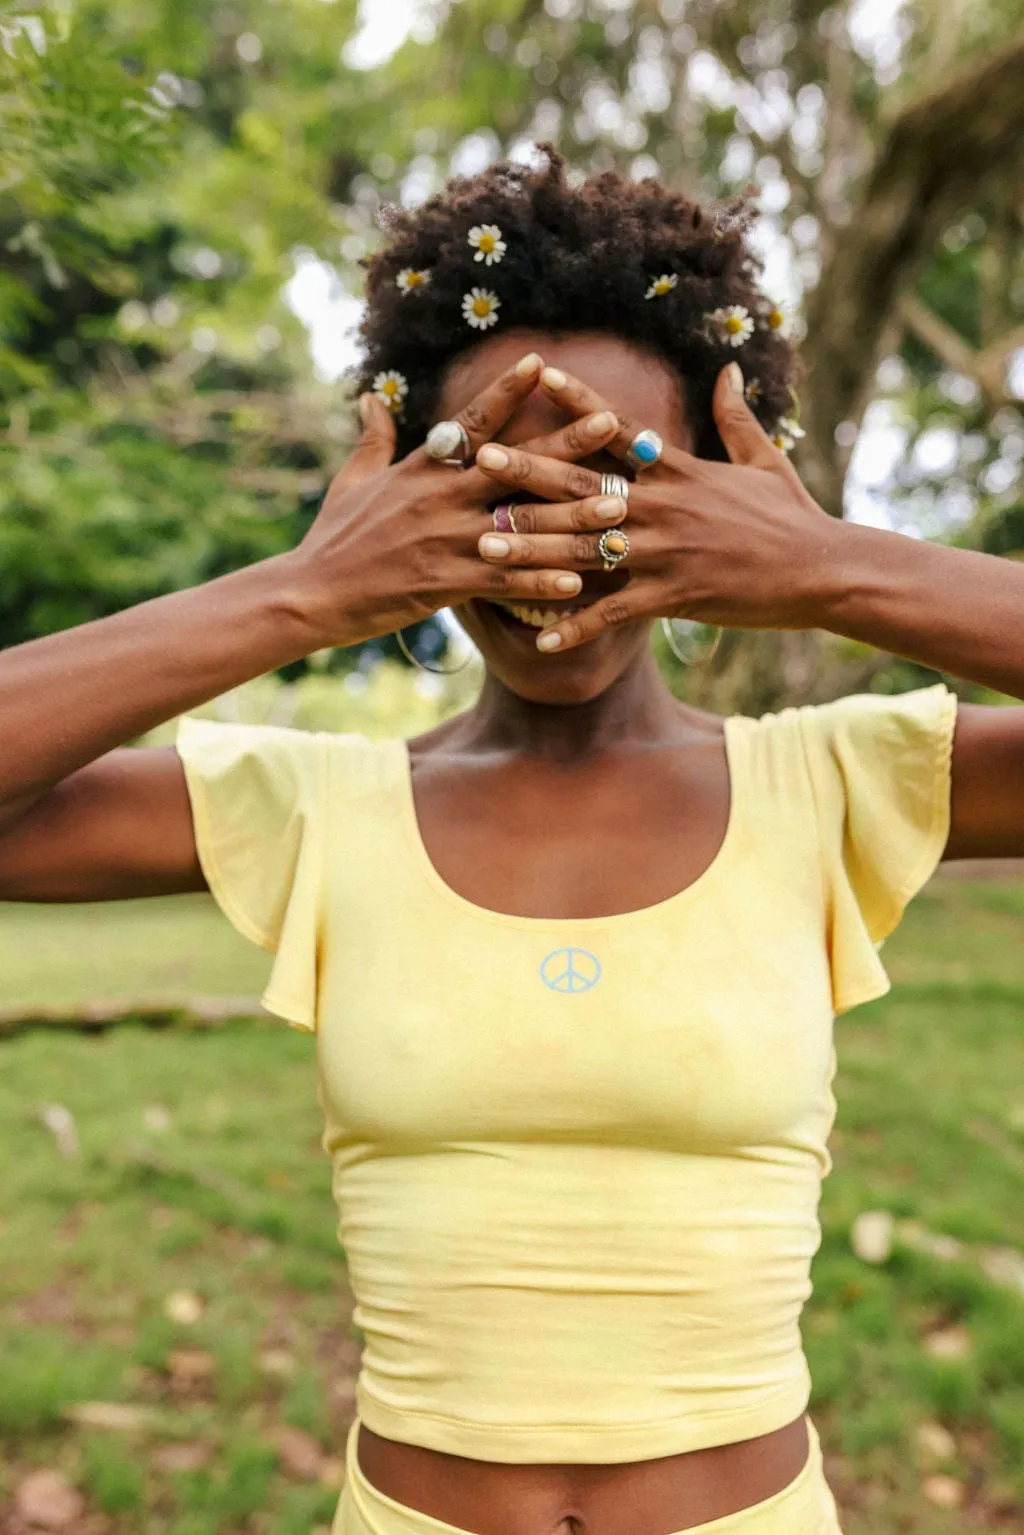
point(418, 848)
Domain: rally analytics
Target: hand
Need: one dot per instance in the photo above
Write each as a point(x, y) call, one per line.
point(740, 544)
point(393, 543)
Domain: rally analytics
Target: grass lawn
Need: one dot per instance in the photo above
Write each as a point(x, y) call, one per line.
point(124, 951)
point(183, 1266)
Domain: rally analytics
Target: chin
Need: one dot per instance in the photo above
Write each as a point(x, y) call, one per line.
point(509, 650)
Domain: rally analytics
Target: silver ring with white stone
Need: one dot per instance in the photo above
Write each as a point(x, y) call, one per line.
point(615, 485)
point(448, 443)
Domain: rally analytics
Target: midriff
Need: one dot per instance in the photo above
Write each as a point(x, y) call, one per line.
point(657, 1497)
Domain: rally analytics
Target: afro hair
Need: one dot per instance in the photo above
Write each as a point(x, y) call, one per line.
point(579, 256)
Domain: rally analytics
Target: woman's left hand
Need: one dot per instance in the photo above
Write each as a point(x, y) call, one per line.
point(740, 544)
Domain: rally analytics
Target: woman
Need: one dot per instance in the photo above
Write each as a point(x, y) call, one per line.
point(573, 957)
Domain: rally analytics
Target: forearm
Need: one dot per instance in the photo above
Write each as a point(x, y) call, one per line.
point(70, 697)
point(955, 610)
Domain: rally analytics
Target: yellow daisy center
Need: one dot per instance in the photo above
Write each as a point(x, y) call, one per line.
point(485, 243)
point(481, 306)
point(775, 319)
point(734, 324)
point(389, 387)
point(414, 280)
point(662, 285)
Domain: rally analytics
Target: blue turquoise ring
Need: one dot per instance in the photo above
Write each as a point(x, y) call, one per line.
point(645, 449)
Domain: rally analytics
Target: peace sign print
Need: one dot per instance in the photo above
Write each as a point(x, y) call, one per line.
point(570, 971)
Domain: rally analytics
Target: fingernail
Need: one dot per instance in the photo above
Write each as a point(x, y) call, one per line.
point(529, 364)
point(610, 509)
point(364, 409)
point(552, 378)
point(492, 458)
point(734, 374)
point(601, 423)
point(568, 583)
point(549, 641)
point(491, 545)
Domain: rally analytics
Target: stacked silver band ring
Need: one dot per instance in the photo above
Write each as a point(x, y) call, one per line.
point(504, 522)
point(645, 449)
point(447, 442)
point(615, 485)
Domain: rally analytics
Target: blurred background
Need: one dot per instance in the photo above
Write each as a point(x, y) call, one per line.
point(186, 191)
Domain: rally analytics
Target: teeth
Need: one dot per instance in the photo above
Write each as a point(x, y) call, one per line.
point(533, 616)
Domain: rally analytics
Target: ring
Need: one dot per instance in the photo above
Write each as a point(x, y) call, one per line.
point(448, 443)
point(615, 485)
point(645, 449)
point(503, 520)
point(613, 547)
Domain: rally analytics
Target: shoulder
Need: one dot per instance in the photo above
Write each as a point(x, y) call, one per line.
point(865, 715)
point(281, 755)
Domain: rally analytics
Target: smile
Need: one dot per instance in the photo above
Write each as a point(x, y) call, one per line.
point(535, 618)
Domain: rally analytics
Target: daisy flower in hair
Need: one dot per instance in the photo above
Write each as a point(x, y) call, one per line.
point(487, 242)
point(662, 285)
point(480, 308)
point(732, 325)
point(786, 433)
point(391, 387)
point(409, 279)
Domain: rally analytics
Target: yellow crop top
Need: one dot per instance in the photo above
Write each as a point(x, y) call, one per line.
point(578, 1163)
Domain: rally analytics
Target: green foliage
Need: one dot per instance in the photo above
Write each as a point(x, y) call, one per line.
point(165, 168)
point(159, 426)
point(100, 509)
point(113, 1474)
point(41, 1377)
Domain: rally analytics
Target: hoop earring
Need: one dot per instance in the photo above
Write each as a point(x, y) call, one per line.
point(438, 671)
point(670, 640)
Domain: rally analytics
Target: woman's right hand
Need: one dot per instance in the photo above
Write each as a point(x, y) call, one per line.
point(395, 542)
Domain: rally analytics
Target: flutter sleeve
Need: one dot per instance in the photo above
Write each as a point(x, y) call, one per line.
point(880, 769)
point(257, 797)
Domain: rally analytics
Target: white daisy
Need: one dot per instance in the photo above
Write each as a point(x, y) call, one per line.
point(409, 278)
point(775, 318)
point(487, 241)
point(391, 387)
point(480, 308)
point(733, 325)
point(752, 392)
point(661, 285)
point(786, 433)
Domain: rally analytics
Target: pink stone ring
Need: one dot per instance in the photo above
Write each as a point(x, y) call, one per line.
point(503, 520)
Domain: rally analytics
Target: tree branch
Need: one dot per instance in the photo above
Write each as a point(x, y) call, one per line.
point(938, 150)
point(987, 367)
point(944, 341)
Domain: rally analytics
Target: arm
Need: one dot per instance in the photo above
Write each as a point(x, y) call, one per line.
point(743, 544)
point(82, 819)
point(956, 610)
point(72, 697)
point(364, 568)
point(960, 612)
point(119, 828)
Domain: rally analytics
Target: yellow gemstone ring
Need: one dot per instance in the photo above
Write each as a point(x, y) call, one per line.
point(613, 547)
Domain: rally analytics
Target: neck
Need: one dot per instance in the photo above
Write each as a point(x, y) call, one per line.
point(635, 709)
